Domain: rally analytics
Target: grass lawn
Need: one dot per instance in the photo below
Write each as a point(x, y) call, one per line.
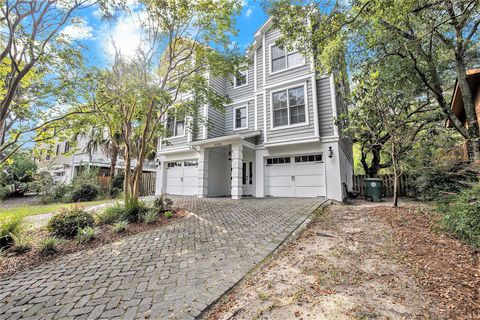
point(25, 211)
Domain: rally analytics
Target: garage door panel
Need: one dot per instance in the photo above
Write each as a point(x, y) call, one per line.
point(279, 170)
point(309, 178)
point(285, 181)
point(182, 180)
point(308, 169)
point(310, 181)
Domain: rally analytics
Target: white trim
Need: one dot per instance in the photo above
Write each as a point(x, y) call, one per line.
point(334, 104)
point(315, 107)
point(255, 70)
point(248, 144)
point(270, 64)
point(286, 142)
point(265, 116)
point(256, 113)
point(175, 150)
point(240, 101)
point(282, 83)
point(189, 121)
point(330, 139)
point(174, 128)
point(264, 67)
point(307, 108)
point(234, 117)
point(205, 120)
point(235, 80)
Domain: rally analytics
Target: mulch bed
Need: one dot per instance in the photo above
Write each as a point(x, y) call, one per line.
point(447, 270)
point(12, 263)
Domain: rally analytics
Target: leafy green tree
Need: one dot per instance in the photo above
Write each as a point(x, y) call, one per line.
point(40, 69)
point(435, 41)
point(184, 43)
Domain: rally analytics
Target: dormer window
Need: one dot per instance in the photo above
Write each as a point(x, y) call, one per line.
point(175, 128)
point(283, 60)
point(240, 78)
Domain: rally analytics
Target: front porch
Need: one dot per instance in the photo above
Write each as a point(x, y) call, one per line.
point(226, 171)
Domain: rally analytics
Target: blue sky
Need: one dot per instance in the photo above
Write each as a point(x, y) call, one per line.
point(93, 33)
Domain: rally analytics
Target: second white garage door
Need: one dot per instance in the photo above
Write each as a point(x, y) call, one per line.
point(182, 177)
point(295, 176)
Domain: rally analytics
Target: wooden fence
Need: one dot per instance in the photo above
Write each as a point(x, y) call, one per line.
point(147, 184)
point(404, 185)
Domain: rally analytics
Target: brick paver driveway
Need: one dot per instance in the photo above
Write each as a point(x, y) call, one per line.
point(173, 272)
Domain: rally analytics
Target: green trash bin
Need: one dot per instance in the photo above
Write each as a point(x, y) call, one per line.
point(373, 187)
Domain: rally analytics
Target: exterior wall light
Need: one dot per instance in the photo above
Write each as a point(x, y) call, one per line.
point(157, 162)
point(330, 152)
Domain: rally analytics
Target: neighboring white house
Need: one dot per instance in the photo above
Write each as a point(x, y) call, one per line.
point(277, 138)
point(64, 166)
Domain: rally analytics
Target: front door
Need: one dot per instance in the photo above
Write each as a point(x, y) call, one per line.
point(247, 178)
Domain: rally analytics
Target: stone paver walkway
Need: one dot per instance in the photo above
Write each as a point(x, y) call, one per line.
point(169, 273)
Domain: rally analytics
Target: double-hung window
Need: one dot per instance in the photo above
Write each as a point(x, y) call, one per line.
point(240, 78)
point(289, 107)
point(175, 127)
point(240, 117)
point(283, 59)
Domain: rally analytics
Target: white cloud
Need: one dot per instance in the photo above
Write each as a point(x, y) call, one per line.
point(79, 30)
point(125, 35)
point(249, 12)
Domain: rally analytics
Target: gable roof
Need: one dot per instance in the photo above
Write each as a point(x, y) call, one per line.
point(456, 104)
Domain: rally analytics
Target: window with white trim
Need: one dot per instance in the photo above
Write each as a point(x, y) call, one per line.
point(175, 127)
point(289, 107)
point(240, 78)
point(279, 160)
point(240, 117)
point(309, 158)
point(282, 59)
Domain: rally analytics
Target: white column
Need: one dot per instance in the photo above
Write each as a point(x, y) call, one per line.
point(237, 162)
point(203, 173)
point(259, 173)
point(159, 185)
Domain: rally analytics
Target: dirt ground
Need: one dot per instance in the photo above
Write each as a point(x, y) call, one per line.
point(352, 263)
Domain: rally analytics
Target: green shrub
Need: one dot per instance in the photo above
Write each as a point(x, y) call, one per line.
point(86, 234)
point(110, 215)
point(8, 229)
point(168, 214)
point(117, 184)
point(120, 226)
point(134, 213)
point(67, 222)
point(84, 192)
point(49, 246)
point(149, 217)
point(162, 203)
point(21, 243)
point(438, 183)
point(461, 216)
point(5, 191)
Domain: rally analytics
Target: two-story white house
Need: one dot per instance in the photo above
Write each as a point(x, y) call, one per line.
point(278, 137)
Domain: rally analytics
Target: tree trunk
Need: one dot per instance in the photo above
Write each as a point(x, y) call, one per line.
point(127, 182)
point(113, 166)
point(395, 177)
point(469, 107)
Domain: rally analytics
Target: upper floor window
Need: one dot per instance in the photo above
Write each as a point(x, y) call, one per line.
point(240, 78)
point(67, 146)
point(289, 107)
point(175, 127)
point(57, 151)
point(240, 117)
point(283, 59)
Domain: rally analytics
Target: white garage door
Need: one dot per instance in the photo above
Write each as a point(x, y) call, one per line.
point(182, 177)
point(295, 176)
